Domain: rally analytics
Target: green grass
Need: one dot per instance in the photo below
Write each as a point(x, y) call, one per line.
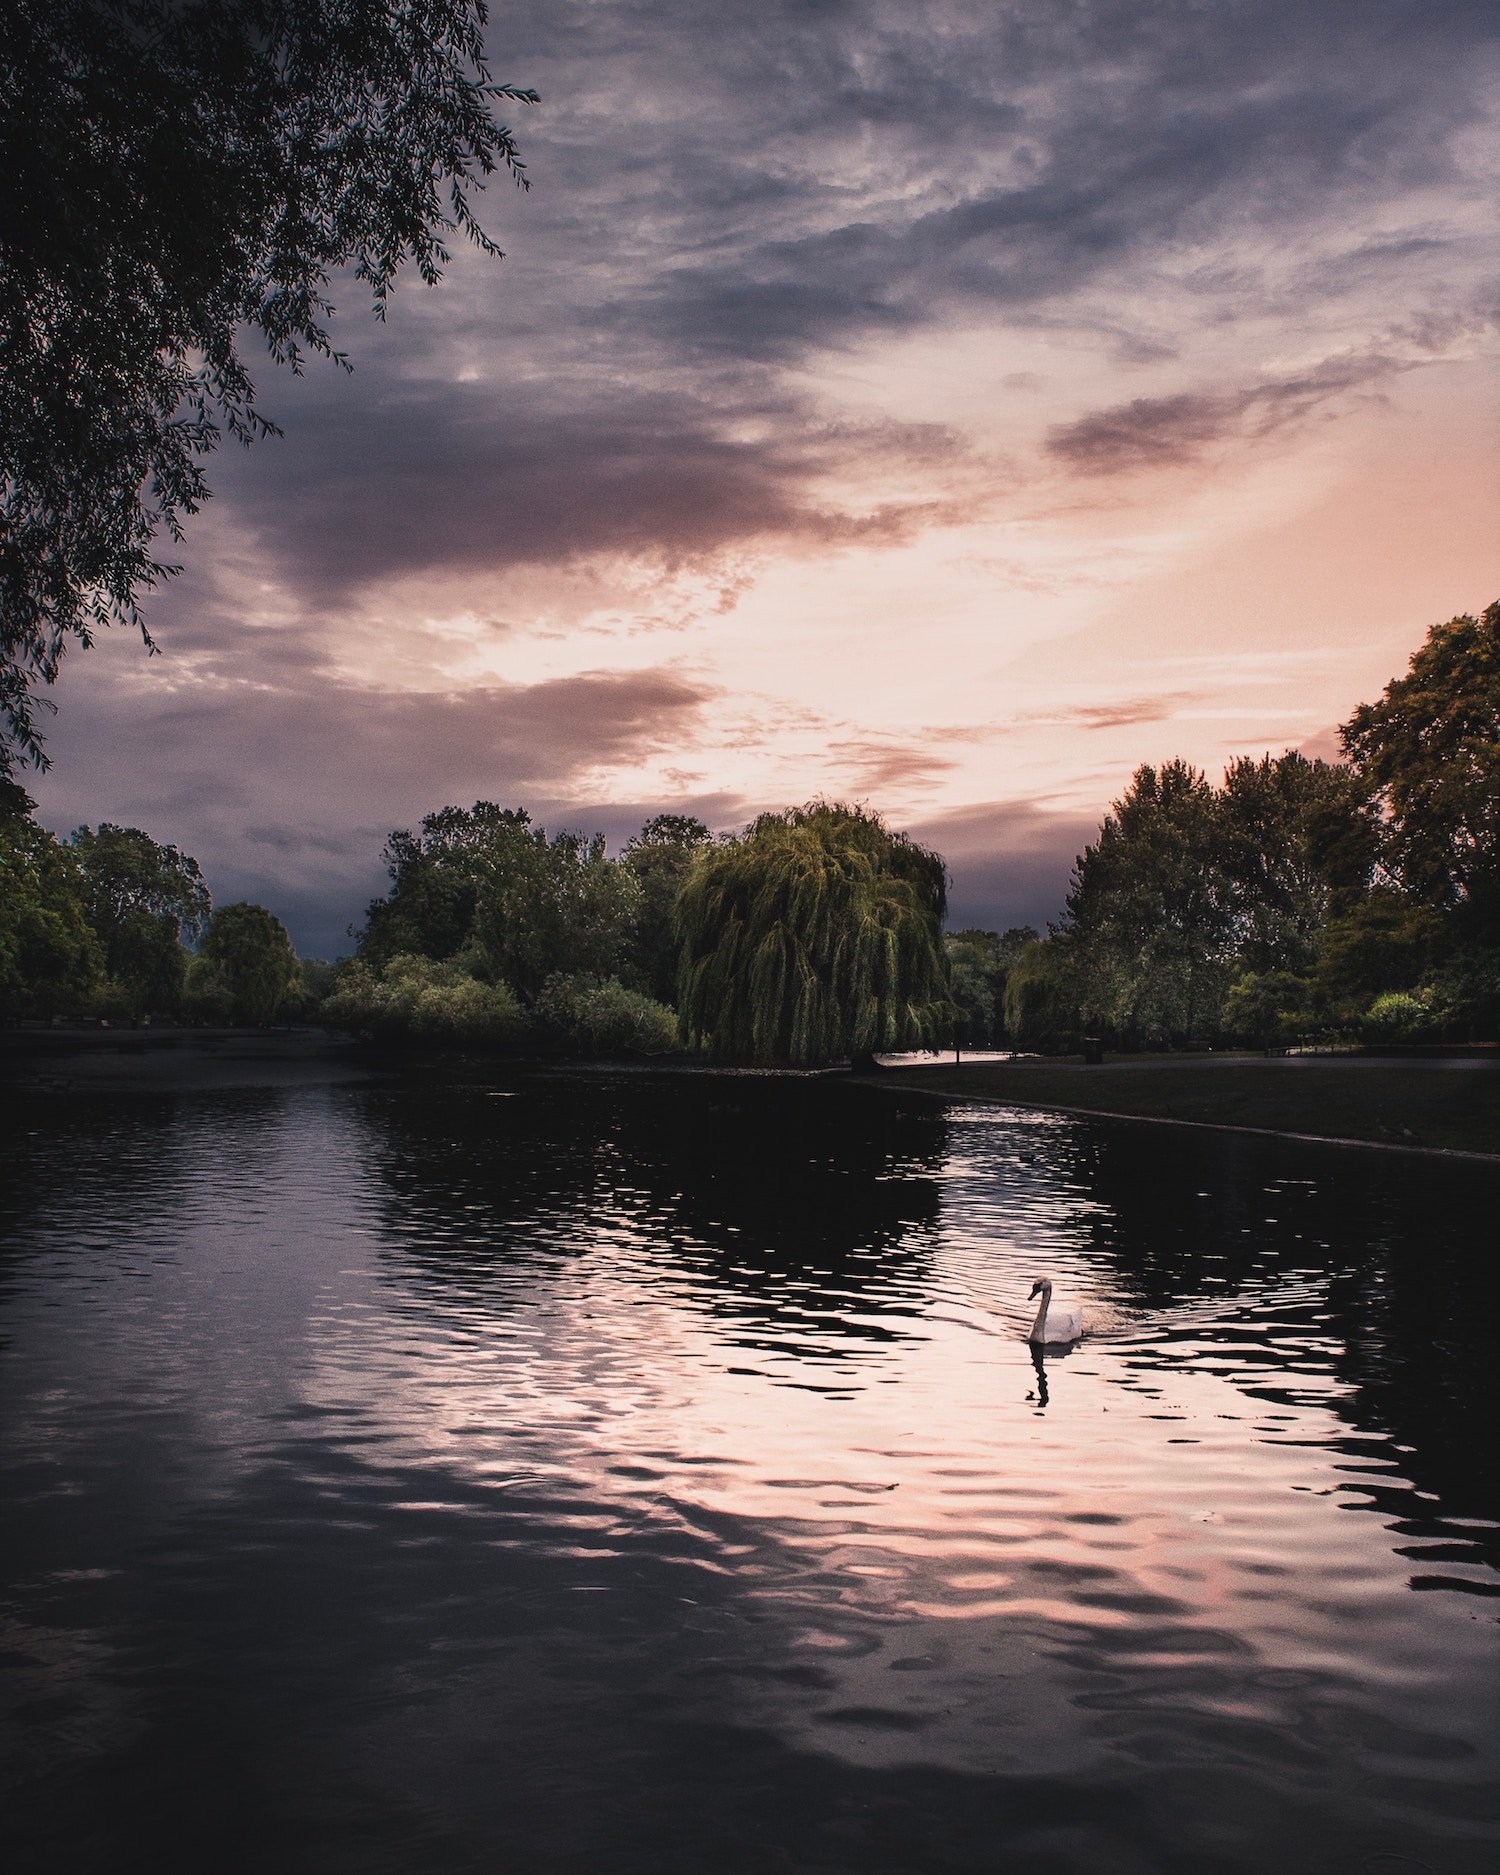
point(1454, 1108)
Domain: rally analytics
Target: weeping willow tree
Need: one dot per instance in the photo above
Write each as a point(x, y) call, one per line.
point(816, 936)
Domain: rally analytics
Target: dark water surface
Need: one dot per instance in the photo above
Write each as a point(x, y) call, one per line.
point(637, 1473)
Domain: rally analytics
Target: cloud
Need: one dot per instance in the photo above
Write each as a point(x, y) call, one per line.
point(1009, 861)
point(287, 795)
point(1117, 715)
point(1165, 432)
point(809, 182)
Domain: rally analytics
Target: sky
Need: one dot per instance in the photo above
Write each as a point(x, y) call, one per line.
point(947, 406)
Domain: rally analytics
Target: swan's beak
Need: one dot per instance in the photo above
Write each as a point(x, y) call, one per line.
point(1036, 1290)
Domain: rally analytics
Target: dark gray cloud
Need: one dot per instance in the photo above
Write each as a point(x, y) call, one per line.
point(721, 193)
point(1164, 432)
point(1009, 861)
point(286, 795)
point(405, 478)
point(824, 171)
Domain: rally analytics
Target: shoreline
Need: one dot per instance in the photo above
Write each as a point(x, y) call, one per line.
point(1202, 1126)
point(175, 1061)
point(1376, 1105)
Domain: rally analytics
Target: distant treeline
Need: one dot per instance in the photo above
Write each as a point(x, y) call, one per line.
point(1299, 899)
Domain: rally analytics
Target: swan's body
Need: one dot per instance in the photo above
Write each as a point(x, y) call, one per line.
point(1056, 1322)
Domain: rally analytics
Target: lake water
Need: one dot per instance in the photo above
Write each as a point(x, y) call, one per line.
point(628, 1472)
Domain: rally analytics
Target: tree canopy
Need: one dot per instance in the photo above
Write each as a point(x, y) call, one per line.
point(142, 900)
point(50, 958)
point(1431, 747)
point(178, 172)
point(979, 964)
point(245, 965)
point(661, 856)
point(814, 937)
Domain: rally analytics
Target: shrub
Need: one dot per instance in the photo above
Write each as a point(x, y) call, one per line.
point(1401, 1016)
point(415, 999)
point(600, 1016)
point(1269, 1009)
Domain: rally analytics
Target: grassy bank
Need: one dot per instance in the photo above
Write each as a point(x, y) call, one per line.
point(1449, 1106)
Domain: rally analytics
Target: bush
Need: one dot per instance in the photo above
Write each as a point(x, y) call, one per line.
point(207, 994)
point(1269, 1010)
point(415, 999)
point(1400, 1016)
point(600, 1016)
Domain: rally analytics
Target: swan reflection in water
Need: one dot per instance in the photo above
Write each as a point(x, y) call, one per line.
point(1040, 1357)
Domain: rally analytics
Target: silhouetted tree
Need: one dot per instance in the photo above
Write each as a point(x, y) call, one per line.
point(1150, 911)
point(979, 964)
point(178, 172)
point(1431, 747)
point(50, 959)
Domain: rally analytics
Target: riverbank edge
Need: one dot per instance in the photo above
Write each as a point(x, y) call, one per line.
point(883, 1080)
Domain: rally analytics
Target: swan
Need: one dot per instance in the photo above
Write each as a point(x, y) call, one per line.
point(1055, 1322)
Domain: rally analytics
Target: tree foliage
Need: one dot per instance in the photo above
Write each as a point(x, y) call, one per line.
point(814, 937)
point(486, 878)
point(1431, 747)
point(245, 965)
point(559, 905)
point(142, 900)
point(979, 966)
point(50, 958)
point(421, 999)
point(1151, 909)
point(661, 856)
point(564, 934)
point(1192, 888)
point(178, 172)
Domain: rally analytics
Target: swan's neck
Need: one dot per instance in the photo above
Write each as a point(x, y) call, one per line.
point(1040, 1323)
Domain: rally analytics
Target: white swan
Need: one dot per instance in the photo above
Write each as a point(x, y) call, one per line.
point(1056, 1322)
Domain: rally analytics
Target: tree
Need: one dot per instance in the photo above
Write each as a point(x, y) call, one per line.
point(1268, 1008)
point(49, 957)
point(661, 856)
point(549, 906)
point(1431, 747)
point(1384, 944)
point(1150, 910)
point(815, 936)
point(1293, 837)
point(176, 172)
point(245, 965)
point(435, 879)
point(142, 900)
point(1042, 995)
point(485, 878)
point(979, 963)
